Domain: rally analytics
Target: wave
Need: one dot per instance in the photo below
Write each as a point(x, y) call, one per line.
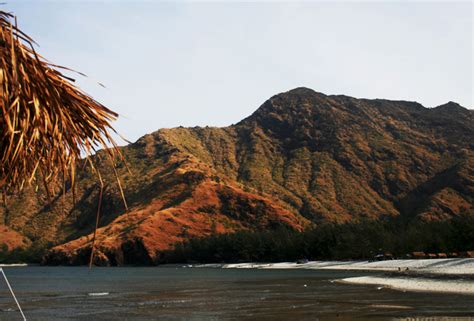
point(98, 293)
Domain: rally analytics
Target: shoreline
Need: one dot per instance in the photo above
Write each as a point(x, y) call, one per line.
point(455, 267)
point(13, 265)
point(455, 276)
point(414, 284)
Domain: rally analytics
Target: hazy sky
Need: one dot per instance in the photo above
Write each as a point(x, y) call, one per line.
point(167, 64)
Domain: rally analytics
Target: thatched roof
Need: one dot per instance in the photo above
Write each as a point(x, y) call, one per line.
point(46, 123)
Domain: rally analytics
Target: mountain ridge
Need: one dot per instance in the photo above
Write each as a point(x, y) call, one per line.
point(302, 158)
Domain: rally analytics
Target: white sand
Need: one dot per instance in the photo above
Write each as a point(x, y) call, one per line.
point(435, 266)
point(456, 268)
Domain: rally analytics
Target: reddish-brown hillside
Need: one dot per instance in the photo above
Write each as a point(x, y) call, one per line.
point(300, 159)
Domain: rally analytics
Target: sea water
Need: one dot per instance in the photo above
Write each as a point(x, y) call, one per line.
point(177, 293)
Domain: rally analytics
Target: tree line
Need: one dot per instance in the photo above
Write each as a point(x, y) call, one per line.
point(328, 241)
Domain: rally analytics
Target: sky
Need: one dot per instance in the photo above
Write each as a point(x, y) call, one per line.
point(168, 64)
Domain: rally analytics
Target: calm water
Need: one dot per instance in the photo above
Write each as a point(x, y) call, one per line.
point(169, 293)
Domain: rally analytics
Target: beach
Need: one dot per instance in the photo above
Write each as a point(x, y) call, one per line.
point(425, 275)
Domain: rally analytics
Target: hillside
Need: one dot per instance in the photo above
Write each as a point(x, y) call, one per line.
point(302, 158)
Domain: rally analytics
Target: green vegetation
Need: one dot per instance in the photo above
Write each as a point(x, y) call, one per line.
point(303, 158)
point(329, 241)
point(31, 254)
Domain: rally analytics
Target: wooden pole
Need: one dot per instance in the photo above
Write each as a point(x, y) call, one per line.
point(97, 219)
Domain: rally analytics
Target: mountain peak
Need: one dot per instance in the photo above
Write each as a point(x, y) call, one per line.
point(291, 103)
point(303, 91)
point(450, 105)
point(451, 108)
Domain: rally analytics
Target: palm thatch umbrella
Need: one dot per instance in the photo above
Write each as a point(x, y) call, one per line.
point(47, 124)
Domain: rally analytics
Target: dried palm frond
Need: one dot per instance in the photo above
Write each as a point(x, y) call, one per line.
point(47, 123)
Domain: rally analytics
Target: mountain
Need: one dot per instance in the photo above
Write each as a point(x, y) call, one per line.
point(302, 158)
